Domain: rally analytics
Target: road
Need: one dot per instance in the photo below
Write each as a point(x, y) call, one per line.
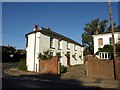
point(41, 81)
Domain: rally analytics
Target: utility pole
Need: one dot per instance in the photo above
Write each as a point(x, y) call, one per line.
point(115, 63)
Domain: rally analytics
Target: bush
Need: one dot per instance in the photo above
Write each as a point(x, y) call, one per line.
point(22, 65)
point(63, 68)
point(46, 55)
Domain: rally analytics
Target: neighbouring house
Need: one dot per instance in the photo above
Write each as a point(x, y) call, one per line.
point(43, 39)
point(104, 39)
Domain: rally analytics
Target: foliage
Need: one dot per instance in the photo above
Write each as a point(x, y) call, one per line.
point(11, 54)
point(92, 28)
point(109, 49)
point(58, 54)
point(67, 54)
point(95, 27)
point(63, 68)
point(22, 65)
point(45, 56)
point(116, 28)
point(118, 49)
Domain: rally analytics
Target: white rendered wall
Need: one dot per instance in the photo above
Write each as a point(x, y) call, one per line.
point(30, 60)
point(105, 38)
point(43, 44)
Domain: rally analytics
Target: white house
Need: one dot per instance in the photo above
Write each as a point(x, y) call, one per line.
point(104, 39)
point(43, 39)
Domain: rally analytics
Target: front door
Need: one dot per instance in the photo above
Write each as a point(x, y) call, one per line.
point(68, 61)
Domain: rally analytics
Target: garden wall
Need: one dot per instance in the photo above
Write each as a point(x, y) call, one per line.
point(49, 66)
point(98, 68)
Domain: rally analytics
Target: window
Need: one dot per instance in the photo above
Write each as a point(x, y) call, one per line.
point(26, 41)
point(59, 44)
point(75, 47)
point(104, 55)
point(75, 56)
point(51, 42)
point(100, 41)
point(118, 38)
point(68, 45)
point(110, 40)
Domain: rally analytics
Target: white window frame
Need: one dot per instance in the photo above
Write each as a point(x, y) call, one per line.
point(75, 47)
point(68, 45)
point(59, 44)
point(102, 55)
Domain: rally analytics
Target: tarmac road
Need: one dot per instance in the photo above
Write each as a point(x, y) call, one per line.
point(35, 81)
point(41, 81)
point(8, 65)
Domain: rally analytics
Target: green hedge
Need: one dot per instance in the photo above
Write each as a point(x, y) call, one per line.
point(22, 65)
point(63, 68)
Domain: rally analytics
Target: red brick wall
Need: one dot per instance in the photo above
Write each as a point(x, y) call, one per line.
point(49, 66)
point(97, 68)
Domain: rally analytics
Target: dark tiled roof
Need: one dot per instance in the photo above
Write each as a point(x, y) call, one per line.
point(53, 34)
point(106, 32)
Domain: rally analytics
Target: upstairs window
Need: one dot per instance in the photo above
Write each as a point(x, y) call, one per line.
point(75, 56)
point(68, 45)
point(75, 47)
point(110, 40)
point(100, 41)
point(59, 44)
point(26, 41)
point(51, 42)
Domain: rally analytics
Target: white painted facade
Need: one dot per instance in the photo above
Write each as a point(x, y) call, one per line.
point(40, 42)
point(106, 40)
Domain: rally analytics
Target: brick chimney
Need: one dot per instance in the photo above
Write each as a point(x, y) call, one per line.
point(35, 27)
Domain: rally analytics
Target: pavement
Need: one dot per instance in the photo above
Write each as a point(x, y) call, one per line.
point(85, 81)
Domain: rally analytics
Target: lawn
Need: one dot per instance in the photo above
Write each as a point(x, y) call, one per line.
point(75, 72)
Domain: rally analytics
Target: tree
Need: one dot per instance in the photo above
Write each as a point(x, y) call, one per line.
point(118, 49)
point(11, 54)
point(7, 53)
point(95, 27)
point(108, 49)
point(116, 28)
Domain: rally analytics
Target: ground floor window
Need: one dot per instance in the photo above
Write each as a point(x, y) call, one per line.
point(104, 55)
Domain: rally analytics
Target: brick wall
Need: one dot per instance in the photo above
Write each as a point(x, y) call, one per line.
point(98, 68)
point(49, 66)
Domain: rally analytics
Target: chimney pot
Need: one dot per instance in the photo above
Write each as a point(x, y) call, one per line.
point(35, 27)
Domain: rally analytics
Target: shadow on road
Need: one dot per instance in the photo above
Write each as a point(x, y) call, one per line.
point(45, 81)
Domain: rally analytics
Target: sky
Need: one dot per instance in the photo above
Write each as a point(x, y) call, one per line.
point(66, 18)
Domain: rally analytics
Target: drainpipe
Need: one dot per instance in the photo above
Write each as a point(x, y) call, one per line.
point(39, 58)
point(35, 29)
